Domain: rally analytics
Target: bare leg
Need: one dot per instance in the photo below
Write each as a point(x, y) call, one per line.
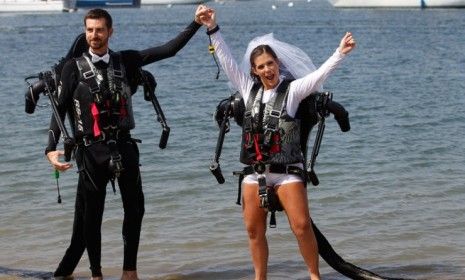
point(255, 223)
point(293, 197)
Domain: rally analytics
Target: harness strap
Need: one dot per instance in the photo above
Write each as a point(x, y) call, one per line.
point(88, 140)
point(98, 89)
point(249, 106)
point(267, 195)
point(273, 219)
point(115, 165)
point(88, 73)
point(272, 119)
point(241, 178)
point(95, 115)
point(262, 191)
point(261, 131)
point(258, 153)
point(276, 168)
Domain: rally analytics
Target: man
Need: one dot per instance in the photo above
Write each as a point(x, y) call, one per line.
point(95, 91)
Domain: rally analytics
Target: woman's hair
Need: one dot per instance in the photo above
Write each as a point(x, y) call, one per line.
point(257, 51)
point(97, 14)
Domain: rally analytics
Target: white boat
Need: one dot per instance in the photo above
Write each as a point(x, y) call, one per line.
point(398, 3)
point(89, 4)
point(31, 5)
point(171, 2)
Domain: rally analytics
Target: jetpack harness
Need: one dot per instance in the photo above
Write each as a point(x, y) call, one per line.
point(312, 110)
point(46, 83)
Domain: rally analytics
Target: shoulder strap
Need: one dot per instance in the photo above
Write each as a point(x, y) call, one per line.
point(115, 59)
point(249, 106)
point(88, 74)
point(115, 79)
point(278, 105)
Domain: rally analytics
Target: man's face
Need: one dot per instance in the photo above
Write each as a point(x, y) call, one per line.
point(97, 35)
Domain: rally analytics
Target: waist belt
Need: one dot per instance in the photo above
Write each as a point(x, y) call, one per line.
point(88, 140)
point(275, 168)
point(267, 195)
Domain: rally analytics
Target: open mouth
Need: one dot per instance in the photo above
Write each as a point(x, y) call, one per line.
point(269, 77)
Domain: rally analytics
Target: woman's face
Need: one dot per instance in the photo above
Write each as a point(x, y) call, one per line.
point(266, 67)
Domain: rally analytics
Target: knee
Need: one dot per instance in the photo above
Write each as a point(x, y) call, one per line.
point(135, 211)
point(301, 227)
point(255, 232)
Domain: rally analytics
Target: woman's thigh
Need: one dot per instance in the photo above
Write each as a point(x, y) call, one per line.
point(293, 198)
point(254, 215)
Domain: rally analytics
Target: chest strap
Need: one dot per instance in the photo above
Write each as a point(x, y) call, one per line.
point(261, 136)
point(95, 81)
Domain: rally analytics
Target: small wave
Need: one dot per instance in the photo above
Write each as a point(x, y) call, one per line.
point(24, 273)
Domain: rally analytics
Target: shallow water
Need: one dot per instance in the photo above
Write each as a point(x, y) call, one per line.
point(391, 190)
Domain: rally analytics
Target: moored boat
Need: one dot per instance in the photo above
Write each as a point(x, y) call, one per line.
point(398, 3)
point(31, 5)
point(19, 6)
point(171, 2)
point(105, 3)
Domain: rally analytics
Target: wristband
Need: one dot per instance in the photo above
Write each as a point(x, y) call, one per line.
point(214, 30)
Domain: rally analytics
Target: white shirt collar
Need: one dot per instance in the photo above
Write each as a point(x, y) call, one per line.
point(96, 58)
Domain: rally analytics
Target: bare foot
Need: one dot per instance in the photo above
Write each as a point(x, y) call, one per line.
point(129, 275)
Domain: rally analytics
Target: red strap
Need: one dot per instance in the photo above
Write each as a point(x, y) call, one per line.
point(95, 115)
point(256, 138)
point(122, 110)
point(275, 144)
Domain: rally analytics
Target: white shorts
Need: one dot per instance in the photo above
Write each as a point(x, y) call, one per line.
point(274, 179)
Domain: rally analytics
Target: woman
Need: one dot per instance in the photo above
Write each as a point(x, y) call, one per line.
point(258, 90)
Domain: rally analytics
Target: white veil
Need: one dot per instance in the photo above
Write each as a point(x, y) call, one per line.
point(294, 62)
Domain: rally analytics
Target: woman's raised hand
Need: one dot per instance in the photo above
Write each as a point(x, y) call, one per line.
point(206, 16)
point(347, 43)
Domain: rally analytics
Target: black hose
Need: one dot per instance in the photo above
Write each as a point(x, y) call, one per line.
point(327, 252)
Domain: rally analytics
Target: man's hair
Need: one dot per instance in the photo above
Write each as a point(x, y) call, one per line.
point(99, 13)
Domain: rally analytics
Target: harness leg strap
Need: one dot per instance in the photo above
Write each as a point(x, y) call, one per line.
point(273, 219)
point(239, 188)
point(262, 193)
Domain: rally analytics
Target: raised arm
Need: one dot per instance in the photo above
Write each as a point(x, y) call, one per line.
point(303, 87)
point(240, 80)
point(170, 48)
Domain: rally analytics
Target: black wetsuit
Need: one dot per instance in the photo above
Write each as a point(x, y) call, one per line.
point(92, 162)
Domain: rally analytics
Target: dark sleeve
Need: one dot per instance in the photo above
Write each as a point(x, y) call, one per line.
point(170, 48)
point(67, 83)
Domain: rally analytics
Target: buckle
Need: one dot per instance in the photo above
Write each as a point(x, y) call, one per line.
point(87, 141)
point(118, 73)
point(263, 200)
point(115, 165)
point(270, 128)
point(88, 74)
point(94, 89)
point(259, 167)
point(275, 113)
point(262, 190)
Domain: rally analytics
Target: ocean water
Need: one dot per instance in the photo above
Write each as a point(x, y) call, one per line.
point(392, 189)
